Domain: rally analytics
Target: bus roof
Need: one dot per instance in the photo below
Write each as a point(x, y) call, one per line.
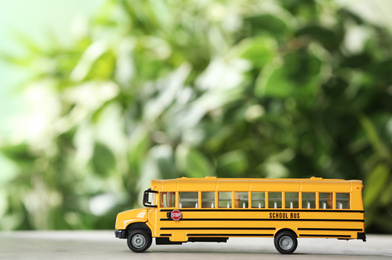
point(312, 184)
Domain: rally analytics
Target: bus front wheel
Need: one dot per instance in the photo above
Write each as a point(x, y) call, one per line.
point(286, 242)
point(139, 240)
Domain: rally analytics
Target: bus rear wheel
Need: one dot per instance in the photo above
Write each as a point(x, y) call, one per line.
point(286, 242)
point(139, 240)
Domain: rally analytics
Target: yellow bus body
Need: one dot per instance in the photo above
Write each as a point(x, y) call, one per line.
point(284, 208)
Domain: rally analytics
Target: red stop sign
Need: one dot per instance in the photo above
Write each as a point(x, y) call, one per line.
point(176, 215)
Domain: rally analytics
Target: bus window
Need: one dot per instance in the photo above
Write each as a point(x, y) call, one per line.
point(224, 199)
point(308, 200)
point(188, 200)
point(241, 199)
point(343, 200)
point(258, 200)
point(168, 199)
point(274, 200)
point(291, 200)
point(208, 199)
point(325, 200)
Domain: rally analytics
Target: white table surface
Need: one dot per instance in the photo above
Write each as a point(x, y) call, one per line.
point(103, 245)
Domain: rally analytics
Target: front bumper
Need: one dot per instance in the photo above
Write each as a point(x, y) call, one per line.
point(120, 233)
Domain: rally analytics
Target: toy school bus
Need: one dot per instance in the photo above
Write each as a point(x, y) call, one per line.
point(213, 209)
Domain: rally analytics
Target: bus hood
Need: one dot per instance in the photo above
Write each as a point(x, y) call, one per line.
point(131, 216)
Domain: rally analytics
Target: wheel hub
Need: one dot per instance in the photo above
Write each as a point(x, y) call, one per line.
point(138, 241)
point(286, 243)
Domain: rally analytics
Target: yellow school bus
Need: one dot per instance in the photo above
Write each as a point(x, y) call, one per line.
point(213, 209)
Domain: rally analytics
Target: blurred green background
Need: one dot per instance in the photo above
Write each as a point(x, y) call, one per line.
point(94, 106)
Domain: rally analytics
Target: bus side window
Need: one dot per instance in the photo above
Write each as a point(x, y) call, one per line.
point(308, 200)
point(168, 199)
point(258, 200)
point(188, 200)
point(208, 199)
point(224, 199)
point(241, 199)
point(343, 200)
point(291, 200)
point(274, 200)
point(325, 200)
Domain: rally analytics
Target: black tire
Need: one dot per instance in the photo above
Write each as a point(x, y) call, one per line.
point(139, 240)
point(286, 242)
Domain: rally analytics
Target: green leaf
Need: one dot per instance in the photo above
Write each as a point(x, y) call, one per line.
point(374, 185)
point(139, 145)
point(159, 163)
point(330, 39)
point(27, 41)
point(386, 196)
point(88, 60)
point(161, 13)
point(25, 61)
point(274, 169)
point(20, 154)
point(272, 82)
point(167, 94)
point(374, 138)
point(298, 75)
point(149, 171)
point(267, 22)
point(232, 164)
point(103, 161)
point(258, 50)
point(192, 162)
point(163, 155)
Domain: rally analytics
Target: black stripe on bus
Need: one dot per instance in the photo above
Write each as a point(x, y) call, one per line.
point(231, 235)
point(331, 229)
point(164, 235)
point(262, 219)
point(267, 210)
point(214, 228)
point(309, 235)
